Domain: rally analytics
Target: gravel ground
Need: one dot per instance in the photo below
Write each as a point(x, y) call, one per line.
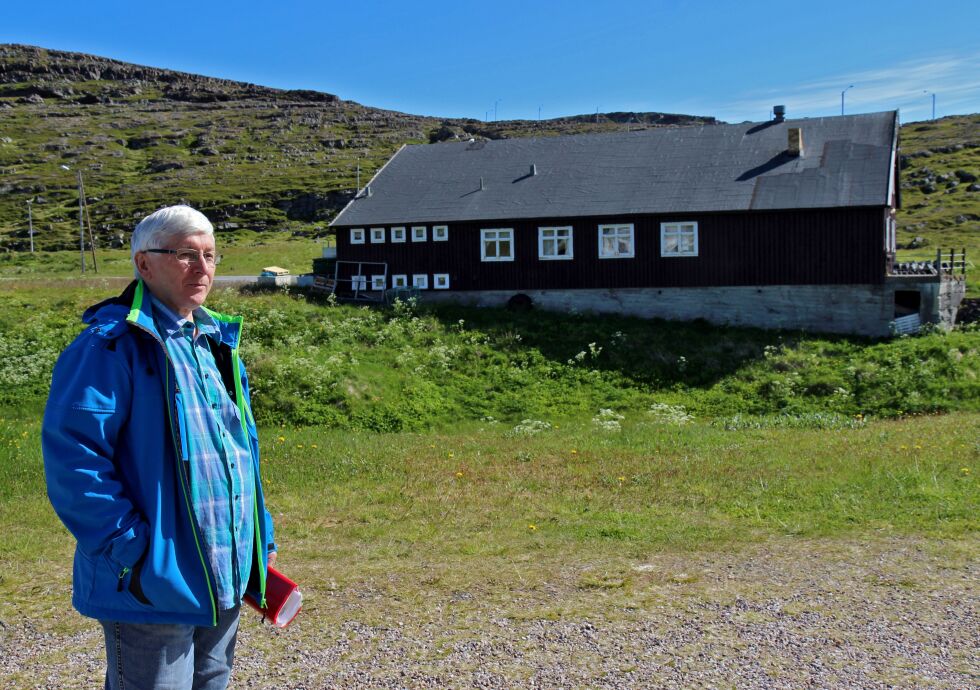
point(788, 614)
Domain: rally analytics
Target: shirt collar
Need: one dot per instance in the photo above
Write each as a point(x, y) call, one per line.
point(170, 324)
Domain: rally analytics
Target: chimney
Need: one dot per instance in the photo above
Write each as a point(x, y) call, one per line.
point(779, 112)
point(794, 141)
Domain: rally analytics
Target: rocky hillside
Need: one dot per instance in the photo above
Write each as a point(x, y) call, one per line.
point(249, 156)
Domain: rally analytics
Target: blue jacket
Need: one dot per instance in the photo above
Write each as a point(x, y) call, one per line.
point(117, 474)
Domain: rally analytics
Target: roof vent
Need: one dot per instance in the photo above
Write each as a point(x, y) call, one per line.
point(481, 184)
point(794, 142)
point(368, 190)
point(534, 170)
point(779, 112)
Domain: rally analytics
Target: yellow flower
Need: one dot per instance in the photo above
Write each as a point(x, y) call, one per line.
point(574, 452)
point(313, 445)
point(903, 447)
point(917, 446)
point(622, 479)
point(859, 416)
point(532, 527)
point(459, 474)
point(964, 471)
point(450, 454)
point(281, 439)
point(299, 445)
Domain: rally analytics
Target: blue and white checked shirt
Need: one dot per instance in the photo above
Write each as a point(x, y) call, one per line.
point(220, 462)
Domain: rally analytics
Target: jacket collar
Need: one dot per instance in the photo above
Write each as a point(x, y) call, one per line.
point(135, 307)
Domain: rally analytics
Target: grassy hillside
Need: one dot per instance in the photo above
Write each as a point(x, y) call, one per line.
point(250, 157)
point(941, 190)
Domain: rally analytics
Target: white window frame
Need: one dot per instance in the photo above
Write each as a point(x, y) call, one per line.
point(399, 281)
point(358, 283)
point(420, 233)
point(398, 235)
point(440, 281)
point(556, 232)
point(378, 282)
point(377, 235)
point(618, 227)
point(484, 238)
point(420, 281)
point(678, 229)
point(440, 233)
point(357, 235)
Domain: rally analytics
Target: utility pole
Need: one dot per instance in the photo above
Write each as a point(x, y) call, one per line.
point(539, 113)
point(495, 108)
point(30, 223)
point(81, 215)
point(933, 106)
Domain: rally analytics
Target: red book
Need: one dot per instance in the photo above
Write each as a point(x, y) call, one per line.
point(282, 597)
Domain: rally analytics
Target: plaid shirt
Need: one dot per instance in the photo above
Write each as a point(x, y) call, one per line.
point(219, 458)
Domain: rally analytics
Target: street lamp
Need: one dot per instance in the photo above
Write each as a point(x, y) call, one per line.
point(495, 108)
point(842, 97)
point(30, 223)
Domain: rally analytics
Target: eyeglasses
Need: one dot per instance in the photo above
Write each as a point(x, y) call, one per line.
point(189, 256)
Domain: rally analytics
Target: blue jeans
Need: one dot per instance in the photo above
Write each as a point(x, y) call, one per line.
point(170, 657)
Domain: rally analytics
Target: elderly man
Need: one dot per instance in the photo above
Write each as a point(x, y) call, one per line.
point(152, 462)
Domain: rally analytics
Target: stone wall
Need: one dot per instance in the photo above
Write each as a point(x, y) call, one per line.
point(852, 309)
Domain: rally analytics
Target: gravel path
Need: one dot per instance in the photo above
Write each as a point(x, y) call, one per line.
point(893, 614)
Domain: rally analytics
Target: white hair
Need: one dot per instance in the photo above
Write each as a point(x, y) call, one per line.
point(160, 226)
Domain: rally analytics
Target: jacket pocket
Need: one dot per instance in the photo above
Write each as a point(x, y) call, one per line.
point(136, 583)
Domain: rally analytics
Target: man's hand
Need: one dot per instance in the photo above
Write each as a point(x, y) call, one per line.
point(272, 558)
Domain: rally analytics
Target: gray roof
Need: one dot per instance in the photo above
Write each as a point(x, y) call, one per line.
point(847, 161)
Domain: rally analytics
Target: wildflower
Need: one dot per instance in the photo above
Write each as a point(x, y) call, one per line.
point(964, 471)
point(903, 447)
point(450, 454)
point(299, 445)
point(313, 445)
point(459, 474)
point(281, 439)
point(621, 479)
point(917, 446)
point(574, 452)
point(859, 416)
point(532, 527)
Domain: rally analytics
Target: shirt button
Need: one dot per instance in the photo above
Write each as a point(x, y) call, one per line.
point(232, 465)
point(207, 376)
point(214, 406)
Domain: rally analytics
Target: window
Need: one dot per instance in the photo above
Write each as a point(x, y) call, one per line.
point(497, 244)
point(440, 233)
point(418, 233)
point(420, 281)
point(555, 243)
point(441, 281)
point(357, 235)
point(378, 282)
point(678, 239)
point(616, 241)
point(377, 235)
point(399, 281)
point(358, 283)
point(397, 235)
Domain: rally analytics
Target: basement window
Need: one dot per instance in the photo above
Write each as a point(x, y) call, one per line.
point(440, 233)
point(678, 239)
point(441, 281)
point(419, 233)
point(420, 281)
point(357, 235)
point(377, 235)
point(399, 281)
point(497, 244)
point(616, 241)
point(555, 243)
point(378, 282)
point(397, 235)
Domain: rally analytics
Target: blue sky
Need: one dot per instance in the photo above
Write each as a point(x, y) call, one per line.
point(732, 60)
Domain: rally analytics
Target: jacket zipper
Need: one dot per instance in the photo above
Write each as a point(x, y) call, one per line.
point(175, 439)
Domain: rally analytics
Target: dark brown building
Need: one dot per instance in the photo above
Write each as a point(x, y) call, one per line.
point(787, 223)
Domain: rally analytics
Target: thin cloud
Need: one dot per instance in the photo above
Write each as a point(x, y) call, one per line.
point(909, 85)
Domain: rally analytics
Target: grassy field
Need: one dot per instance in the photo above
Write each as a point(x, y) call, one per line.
point(457, 468)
